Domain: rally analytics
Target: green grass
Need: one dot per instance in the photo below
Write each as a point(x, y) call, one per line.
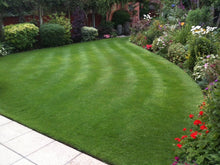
point(108, 98)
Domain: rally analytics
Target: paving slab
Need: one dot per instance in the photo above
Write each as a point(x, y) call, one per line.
point(55, 153)
point(20, 145)
point(23, 162)
point(12, 130)
point(4, 120)
point(28, 143)
point(7, 156)
point(84, 159)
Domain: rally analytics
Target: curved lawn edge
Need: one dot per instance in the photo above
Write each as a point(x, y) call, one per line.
point(138, 141)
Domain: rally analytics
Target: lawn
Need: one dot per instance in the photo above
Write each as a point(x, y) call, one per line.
point(108, 98)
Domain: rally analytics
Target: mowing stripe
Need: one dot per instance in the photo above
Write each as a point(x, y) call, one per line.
point(157, 84)
point(129, 83)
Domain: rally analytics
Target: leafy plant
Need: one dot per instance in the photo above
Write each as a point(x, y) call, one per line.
point(120, 17)
point(65, 22)
point(105, 27)
point(155, 30)
point(3, 51)
point(52, 35)
point(161, 44)
point(177, 53)
point(199, 16)
point(199, 47)
point(181, 35)
point(21, 36)
point(206, 70)
point(89, 33)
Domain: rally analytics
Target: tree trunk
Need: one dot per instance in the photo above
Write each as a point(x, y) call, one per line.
point(93, 18)
point(41, 15)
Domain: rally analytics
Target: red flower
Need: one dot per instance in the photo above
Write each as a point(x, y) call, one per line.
point(178, 139)
point(201, 113)
point(201, 107)
point(191, 116)
point(207, 131)
point(184, 129)
point(179, 145)
point(197, 122)
point(184, 136)
point(203, 103)
point(190, 130)
point(194, 134)
point(202, 127)
point(149, 47)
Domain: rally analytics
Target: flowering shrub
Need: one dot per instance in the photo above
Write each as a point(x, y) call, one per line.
point(148, 47)
point(198, 30)
point(176, 53)
point(199, 144)
point(162, 43)
point(199, 47)
point(207, 69)
point(139, 39)
point(3, 51)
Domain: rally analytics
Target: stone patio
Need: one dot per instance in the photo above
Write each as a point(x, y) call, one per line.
point(20, 145)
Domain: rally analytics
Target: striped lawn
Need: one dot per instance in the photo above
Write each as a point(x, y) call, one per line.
point(108, 98)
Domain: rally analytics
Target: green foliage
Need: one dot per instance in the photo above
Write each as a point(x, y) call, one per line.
point(176, 53)
point(199, 16)
point(139, 38)
point(202, 145)
point(52, 35)
point(155, 30)
point(199, 47)
point(65, 22)
point(120, 17)
point(162, 43)
point(105, 27)
point(21, 36)
point(206, 70)
point(181, 35)
point(3, 51)
point(89, 33)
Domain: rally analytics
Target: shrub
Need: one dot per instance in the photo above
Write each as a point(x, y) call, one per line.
point(105, 27)
point(176, 53)
point(206, 70)
point(21, 36)
point(140, 25)
point(65, 22)
point(161, 44)
point(181, 35)
point(155, 30)
point(199, 47)
point(3, 51)
point(139, 39)
point(199, 16)
point(120, 17)
point(89, 33)
point(52, 35)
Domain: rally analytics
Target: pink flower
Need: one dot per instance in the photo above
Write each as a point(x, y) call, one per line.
point(107, 36)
